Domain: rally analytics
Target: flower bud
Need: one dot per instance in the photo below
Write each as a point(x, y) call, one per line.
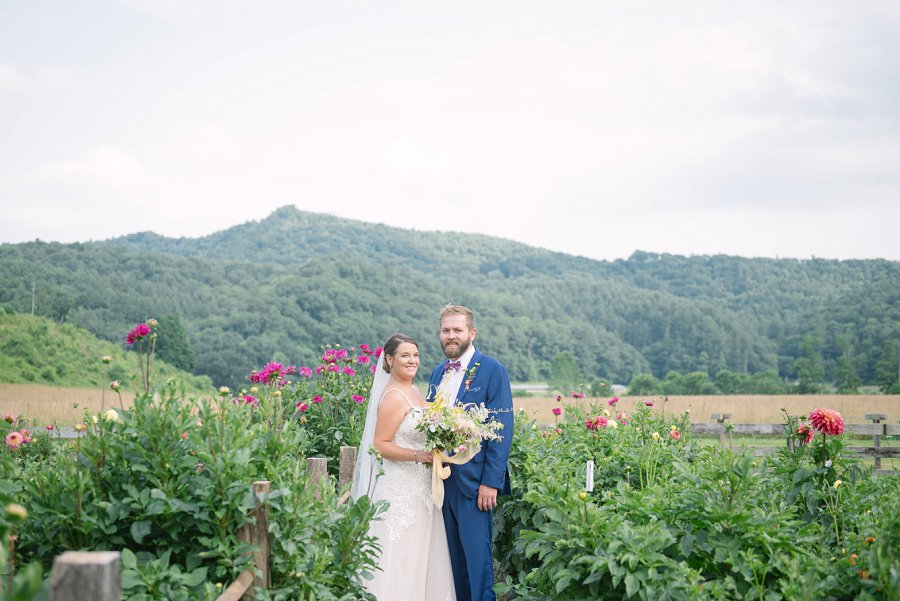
point(16, 512)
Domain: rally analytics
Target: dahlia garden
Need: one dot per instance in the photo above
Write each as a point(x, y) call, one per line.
point(611, 502)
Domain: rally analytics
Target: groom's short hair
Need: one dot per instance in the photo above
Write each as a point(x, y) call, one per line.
point(459, 310)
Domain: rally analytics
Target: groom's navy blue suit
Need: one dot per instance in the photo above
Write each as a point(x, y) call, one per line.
point(469, 530)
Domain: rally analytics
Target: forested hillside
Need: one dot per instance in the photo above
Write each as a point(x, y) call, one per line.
point(282, 287)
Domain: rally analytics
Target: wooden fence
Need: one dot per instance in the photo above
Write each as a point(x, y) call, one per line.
point(95, 575)
point(877, 430)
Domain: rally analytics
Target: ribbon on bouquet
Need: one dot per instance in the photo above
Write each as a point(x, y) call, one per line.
point(440, 472)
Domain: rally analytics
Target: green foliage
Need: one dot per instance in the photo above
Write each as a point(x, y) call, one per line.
point(293, 280)
point(564, 373)
point(169, 483)
point(173, 345)
point(34, 350)
point(672, 520)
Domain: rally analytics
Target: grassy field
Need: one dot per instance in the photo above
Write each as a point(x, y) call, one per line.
point(43, 405)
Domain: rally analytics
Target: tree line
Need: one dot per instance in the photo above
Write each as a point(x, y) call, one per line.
point(283, 287)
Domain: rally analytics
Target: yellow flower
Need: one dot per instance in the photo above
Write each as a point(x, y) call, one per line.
point(276, 394)
point(111, 416)
point(837, 484)
point(655, 436)
point(254, 390)
point(106, 359)
point(673, 428)
point(152, 323)
point(16, 512)
point(80, 427)
point(224, 390)
point(582, 495)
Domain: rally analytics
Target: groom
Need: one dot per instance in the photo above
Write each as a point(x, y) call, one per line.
point(470, 493)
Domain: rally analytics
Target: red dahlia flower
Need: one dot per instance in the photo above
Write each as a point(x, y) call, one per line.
point(827, 421)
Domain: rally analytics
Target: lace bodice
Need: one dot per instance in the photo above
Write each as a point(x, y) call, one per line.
point(405, 484)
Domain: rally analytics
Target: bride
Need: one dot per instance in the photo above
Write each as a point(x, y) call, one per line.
point(414, 564)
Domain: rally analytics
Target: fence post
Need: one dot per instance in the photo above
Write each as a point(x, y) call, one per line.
point(720, 419)
point(257, 534)
point(876, 438)
point(348, 466)
point(316, 473)
point(86, 575)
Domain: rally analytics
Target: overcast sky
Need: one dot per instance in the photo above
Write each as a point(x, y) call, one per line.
point(761, 128)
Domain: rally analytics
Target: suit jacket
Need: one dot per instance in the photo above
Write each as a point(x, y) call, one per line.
point(486, 381)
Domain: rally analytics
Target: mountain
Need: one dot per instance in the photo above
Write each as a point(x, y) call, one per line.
point(37, 350)
point(284, 286)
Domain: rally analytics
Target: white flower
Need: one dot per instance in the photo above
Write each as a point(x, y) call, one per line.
point(828, 463)
point(111, 416)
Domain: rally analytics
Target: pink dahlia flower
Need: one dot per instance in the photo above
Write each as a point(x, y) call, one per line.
point(557, 411)
point(595, 423)
point(14, 440)
point(612, 402)
point(358, 399)
point(827, 421)
point(674, 434)
point(138, 332)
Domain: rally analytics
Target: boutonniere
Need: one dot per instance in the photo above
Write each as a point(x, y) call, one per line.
point(470, 375)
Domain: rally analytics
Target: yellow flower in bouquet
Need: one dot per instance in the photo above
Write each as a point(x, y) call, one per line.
point(453, 434)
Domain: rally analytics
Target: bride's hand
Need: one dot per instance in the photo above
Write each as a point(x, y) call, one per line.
point(424, 457)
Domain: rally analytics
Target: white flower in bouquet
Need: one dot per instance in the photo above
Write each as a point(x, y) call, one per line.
point(457, 429)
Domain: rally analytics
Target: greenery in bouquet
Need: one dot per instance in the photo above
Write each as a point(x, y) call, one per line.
point(455, 428)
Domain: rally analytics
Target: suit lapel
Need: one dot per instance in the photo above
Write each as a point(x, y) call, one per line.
point(462, 385)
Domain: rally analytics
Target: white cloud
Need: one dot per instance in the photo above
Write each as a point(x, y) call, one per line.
point(11, 80)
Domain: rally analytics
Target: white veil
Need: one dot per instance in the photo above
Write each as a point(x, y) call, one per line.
point(366, 469)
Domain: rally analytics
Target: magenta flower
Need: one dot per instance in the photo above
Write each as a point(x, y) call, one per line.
point(363, 359)
point(577, 395)
point(806, 433)
point(26, 435)
point(320, 369)
point(557, 411)
point(330, 356)
point(827, 421)
point(595, 423)
point(49, 427)
point(558, 398)
point(302, 406)
point(333, 368)
point(305, 372)
point(365, 348)
point(349, 371)
point(622, 417)
point(649, 403)
point(249, 399)
point(317, 399)
point(291, 370)
point(358, 399)
point(612, 402)
point(378, 352)
point(372, 369)
point(272, 371)
point(138, 332)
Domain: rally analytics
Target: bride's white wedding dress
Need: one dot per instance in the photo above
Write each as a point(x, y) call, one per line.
point(415, 561)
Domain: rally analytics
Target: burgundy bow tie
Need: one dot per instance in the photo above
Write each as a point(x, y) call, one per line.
point(454, 365)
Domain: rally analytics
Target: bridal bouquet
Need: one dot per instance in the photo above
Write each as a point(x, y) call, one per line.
point(453, 434)
point(457, 429)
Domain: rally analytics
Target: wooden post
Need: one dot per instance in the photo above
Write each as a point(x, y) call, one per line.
point(720, 419)
point(316, 473)
point(257, 534)
point(876, 438)
point(348, 466)
point(86, 575)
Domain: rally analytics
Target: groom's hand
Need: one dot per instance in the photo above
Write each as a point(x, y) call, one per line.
point(487, 498)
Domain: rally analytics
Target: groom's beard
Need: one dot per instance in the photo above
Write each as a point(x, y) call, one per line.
point(462, 347)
